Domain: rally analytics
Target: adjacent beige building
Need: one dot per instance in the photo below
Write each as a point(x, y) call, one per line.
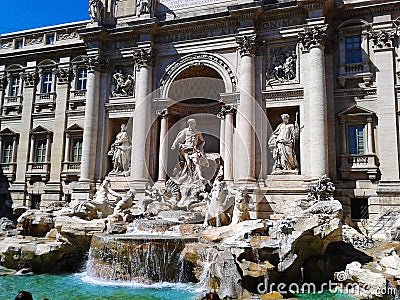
point(237, 66)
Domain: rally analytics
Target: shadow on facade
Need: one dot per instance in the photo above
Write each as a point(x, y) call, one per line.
point(6, 202)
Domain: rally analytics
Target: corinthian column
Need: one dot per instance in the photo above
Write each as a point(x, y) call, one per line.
point(162, 155)
point(228, 158)
point(221, 116)
point(245, 118)
point(142, 117)
point(312, 40)
point(89, 144)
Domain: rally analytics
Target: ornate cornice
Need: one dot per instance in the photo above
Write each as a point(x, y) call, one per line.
point(383, 39)
point(247, 45)
point(29, 78)
point(313, 37)
point(144, 58)
point(63, 75)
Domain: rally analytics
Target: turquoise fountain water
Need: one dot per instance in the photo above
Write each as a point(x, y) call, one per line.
point(82, 287)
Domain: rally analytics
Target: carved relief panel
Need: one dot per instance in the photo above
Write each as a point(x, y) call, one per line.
point(123, 82)
point(282, 65)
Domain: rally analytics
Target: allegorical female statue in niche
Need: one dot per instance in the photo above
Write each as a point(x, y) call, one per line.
point(121, 152)
point(282, 144)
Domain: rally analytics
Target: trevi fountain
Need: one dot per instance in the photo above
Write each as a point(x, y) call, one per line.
point(196, 231)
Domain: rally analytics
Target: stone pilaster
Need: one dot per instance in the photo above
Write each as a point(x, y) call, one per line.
point(387, 108)
point(163, 146)
point(63, 75)
point(312, 40)
point(29, 78)
point(229, 112)
point(3, 85)
point(245, 131)
point(142, 118)
point(89, 144)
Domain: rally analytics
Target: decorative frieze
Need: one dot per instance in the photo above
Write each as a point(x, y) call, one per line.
point(34, 41)
point(67, 36)
point(6, 45)
point(143, 57)
point(281, 65)
point(313, 37)
point(30, 78)
point(63, 75)
point(382, 39)
point(247, 45)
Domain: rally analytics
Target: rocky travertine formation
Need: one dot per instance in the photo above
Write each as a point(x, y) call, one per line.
point(238, 257)
point(59, 243)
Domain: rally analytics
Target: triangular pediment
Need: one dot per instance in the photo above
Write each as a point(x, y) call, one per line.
point(8, 131)
point(40, 129)
point(74, 127)
point(356, 110)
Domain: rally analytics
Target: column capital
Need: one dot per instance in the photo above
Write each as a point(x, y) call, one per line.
point(162, 113)
point(247, 45)
point(63, 75)
point(382, 39)
point(144, 57)
point(94, 63)
point(221, 114)
point(30, 78)
point(313, 37)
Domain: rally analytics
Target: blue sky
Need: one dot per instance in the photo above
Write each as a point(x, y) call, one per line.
point(26, 14)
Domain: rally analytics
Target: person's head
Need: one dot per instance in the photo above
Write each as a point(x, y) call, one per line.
point(24, 296)
point(285, 118)
point(191, 123)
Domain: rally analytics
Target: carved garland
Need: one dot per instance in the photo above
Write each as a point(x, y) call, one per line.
point(198, 58)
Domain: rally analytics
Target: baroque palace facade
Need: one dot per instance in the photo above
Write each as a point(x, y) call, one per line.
point(332, 66)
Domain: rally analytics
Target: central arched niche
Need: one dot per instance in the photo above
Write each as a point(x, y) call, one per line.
point(195, 93)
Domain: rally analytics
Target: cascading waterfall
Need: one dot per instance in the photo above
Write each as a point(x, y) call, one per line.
point(144, 259)
point(208, 258)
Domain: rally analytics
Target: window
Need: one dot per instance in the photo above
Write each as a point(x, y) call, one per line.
point(7, 151)
point(14, 86)
point(40, 151)
point(82, 79)
point(359, 209)
point(353, 49)
point(47, 82)
point(19, 44)
point(356, 139)
point(50, 39)
point(76, 150)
